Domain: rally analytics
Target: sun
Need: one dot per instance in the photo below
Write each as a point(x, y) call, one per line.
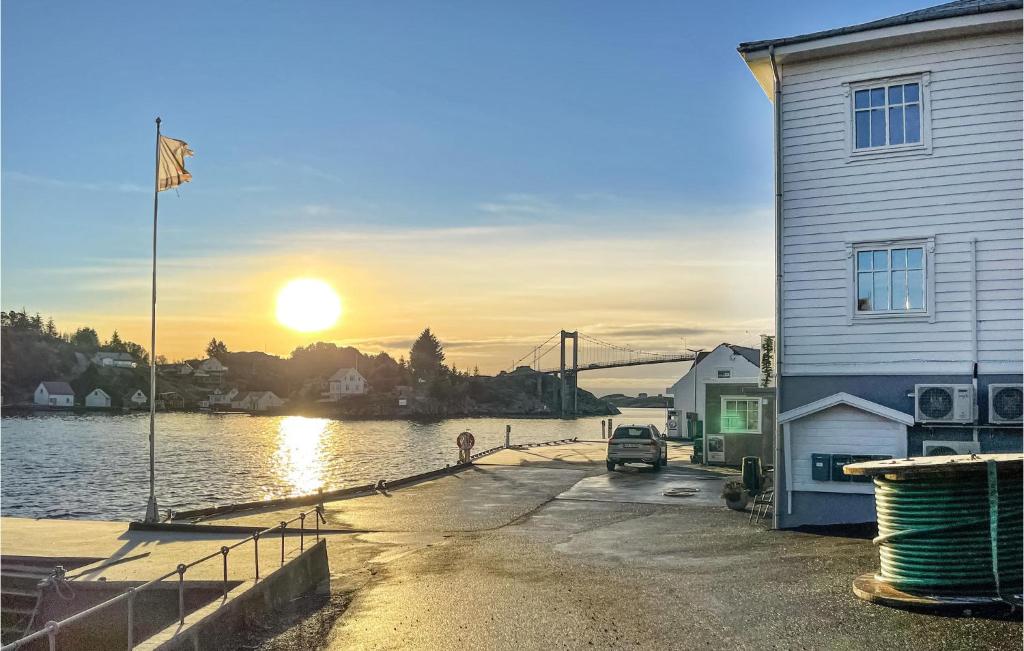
point(308, 305)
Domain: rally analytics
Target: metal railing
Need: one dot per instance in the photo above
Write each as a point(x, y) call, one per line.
point(52, 628)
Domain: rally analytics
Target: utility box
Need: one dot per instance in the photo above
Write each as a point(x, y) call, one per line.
point(860, 458)
point(821, 467)
point(838, 461)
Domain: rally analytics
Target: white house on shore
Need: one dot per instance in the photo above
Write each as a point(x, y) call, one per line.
point(135, 399)
point(54, 394)
point(345, 382)
point(898, 246)
point(257, 401)
point(97, 398)
point(726, 362)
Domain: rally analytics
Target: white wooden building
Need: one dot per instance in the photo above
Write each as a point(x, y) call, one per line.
point(97, 398)
point(54, 394)
point(257, 401)
point(135, 399)
point(345, 382)
point(898, 221)
point(726, 362)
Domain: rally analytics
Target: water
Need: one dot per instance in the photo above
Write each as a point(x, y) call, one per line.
point(97, 466)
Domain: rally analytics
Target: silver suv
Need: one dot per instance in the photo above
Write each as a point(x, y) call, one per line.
point(637, 444)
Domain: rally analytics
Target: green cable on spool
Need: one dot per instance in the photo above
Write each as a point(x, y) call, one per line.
point(935, 533)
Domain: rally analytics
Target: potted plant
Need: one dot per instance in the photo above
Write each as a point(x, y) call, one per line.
point(735, 495)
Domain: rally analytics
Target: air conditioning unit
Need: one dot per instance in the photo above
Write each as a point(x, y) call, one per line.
point(946, 448)
point(944, 403)
point(1005, 403)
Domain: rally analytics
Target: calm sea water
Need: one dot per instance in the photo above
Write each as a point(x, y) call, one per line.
point(96, 466)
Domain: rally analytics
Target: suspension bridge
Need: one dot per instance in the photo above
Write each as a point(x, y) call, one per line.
point(587, 354)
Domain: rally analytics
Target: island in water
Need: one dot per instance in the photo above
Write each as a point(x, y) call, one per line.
point(321, 379)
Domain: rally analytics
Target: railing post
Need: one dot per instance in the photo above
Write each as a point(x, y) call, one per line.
point(283, 525)
point(508, 435)
point(224, 552)
point(181, 592)
point(256, 546)
point(131, 619)
point(302, 532)
point(319, 517)
point(51, 632)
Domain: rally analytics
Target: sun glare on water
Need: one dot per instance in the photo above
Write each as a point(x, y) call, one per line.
point(308, 305)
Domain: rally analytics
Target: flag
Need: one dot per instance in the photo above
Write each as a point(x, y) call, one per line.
point(172, 172)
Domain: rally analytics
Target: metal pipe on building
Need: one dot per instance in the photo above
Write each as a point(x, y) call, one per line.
point(779, 407)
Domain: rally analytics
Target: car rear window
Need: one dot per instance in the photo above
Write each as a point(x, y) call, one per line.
point(631, 433)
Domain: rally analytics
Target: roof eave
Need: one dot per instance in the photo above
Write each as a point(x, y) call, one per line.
point(837, 42)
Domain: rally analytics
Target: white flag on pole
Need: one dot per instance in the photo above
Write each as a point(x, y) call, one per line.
point(172, 172)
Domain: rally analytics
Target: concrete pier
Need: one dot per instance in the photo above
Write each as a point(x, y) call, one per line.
point(542, 548)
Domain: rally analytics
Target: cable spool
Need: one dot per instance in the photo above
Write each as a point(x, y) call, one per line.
point(950, 531)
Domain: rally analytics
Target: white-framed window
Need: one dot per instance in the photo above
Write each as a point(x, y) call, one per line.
point(891, 279)
point(741, 415)
point(889, 115)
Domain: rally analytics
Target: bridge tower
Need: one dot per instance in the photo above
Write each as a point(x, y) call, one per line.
point(569, 405)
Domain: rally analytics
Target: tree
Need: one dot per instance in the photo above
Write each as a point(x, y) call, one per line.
point(51, 329)
point(215, 348)
point(86, 338)
point(115, 344)
point(426, 359)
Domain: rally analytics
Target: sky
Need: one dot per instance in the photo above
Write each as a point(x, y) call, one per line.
point(495, 171)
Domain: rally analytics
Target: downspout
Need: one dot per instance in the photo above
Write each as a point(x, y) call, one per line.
point(779, 442)
point(974, 332)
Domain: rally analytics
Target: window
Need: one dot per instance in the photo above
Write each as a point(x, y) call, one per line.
point(724, 373)
point(887, 115)
point(741, 415)
point(891, 279)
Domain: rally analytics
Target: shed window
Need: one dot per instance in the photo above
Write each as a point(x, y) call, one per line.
point(741, 415)
point(887, 115)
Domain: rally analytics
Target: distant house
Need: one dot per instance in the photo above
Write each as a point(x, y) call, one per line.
point(221, 398)
point(257, 401)
point(135, 399)
point(345, 382)
point(725, 363)
point(97, 398)
point(183, 368)
point(54, 394)
point(109, 358)
point(210, 371)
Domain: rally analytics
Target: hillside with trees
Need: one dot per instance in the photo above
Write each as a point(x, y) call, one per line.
point(33, 350)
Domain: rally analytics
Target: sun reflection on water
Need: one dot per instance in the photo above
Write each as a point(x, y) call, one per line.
point(300, 457)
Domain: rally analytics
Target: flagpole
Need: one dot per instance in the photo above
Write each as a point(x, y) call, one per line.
point(152, 512)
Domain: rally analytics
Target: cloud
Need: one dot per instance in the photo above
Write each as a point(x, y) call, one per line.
point(103, 186)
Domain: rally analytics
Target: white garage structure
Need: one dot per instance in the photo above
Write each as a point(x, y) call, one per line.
point(828, 431)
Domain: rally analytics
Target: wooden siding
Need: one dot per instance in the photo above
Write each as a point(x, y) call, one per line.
point(969, 185)
point(840, 430)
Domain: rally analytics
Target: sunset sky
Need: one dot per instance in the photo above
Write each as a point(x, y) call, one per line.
point(495, 172)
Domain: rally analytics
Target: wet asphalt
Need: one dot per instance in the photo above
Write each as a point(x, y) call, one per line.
point(549, 551)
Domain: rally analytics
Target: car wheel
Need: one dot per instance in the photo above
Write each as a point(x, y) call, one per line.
point(611, 465)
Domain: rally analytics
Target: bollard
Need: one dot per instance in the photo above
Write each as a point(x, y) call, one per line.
point(224, 552)
point(51, 632)
point(131, 618)
point(283, 525)
point(603, 424)
point(181, 593)
point(610, 428)
point(256, 547)
point(508, 435)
